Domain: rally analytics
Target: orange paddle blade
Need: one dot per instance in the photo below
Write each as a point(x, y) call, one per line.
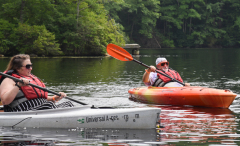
point(118, 53)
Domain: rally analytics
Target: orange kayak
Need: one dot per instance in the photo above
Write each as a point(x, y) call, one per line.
point(193, 96)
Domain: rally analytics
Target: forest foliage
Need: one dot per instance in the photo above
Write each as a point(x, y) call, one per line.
point(85, 27)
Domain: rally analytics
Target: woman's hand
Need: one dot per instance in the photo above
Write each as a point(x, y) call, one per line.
point(57, 98)
point(25, 82)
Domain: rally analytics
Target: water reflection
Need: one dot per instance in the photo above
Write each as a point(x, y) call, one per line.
point(42, 136)
point(198, 125)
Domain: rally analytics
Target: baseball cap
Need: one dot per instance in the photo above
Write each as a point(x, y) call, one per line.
point(159, 60)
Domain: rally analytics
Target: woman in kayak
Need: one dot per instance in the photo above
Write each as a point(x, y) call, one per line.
point(152, 78)
point(17, 96)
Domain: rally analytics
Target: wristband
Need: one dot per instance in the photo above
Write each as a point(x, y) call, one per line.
point(147, 71)
point(17, 85)
point(53, 98)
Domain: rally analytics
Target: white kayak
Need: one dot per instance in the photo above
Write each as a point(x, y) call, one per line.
point(84, 117)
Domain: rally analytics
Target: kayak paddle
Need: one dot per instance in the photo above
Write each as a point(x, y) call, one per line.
point(123, 55)
point(44, 89)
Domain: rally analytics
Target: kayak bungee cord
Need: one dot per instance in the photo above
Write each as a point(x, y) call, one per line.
point(20, 122)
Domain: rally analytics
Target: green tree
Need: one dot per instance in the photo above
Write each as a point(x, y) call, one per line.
point(136, 16)
point(81, 27)
point(209, 31)
point(230, 23)
point(89, 30)
point(177, 21)
point(6, 29)
point(35, 40)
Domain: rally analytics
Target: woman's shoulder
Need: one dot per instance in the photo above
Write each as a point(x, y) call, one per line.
point(8, 80)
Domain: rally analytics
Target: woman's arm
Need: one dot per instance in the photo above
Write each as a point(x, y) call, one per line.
point(8, 91)
point(56, 98)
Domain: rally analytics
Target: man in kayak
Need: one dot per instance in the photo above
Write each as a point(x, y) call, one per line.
point(17, 96)
point(152, 78)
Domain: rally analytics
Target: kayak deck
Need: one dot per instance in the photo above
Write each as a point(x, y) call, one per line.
point(83, 117)
point(180, 96)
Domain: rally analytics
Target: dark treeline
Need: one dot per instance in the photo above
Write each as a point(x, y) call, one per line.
point(85, 27)
point(180, 23)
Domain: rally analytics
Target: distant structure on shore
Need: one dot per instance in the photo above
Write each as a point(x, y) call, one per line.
point(134, 47)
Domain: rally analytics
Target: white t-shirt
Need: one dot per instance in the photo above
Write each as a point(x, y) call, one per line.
point(152, 78)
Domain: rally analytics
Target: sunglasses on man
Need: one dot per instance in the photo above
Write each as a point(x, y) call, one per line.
point(163, 64)
point(28, 66)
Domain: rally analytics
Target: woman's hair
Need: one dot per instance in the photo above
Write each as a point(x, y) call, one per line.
point(16, 62)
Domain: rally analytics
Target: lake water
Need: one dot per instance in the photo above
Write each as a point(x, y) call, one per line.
point(105, 81)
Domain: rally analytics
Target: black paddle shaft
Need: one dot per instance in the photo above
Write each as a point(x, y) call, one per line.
point(44, 89)
point(159, 72)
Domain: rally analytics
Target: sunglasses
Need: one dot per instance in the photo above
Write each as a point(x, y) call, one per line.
point(163, 64)
point(28, 66)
